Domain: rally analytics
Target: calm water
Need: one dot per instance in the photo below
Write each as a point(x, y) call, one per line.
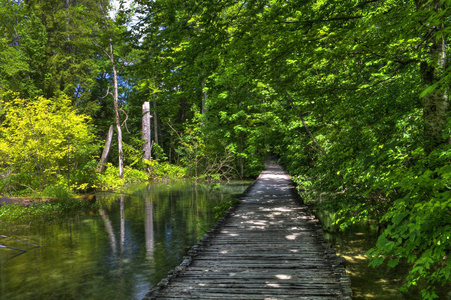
point(116, 252)
point(381, 283)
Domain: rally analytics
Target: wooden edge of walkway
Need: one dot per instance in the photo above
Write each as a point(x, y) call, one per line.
point(338, 262)
point(330, 252)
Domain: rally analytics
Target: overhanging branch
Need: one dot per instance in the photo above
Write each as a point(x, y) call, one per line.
point(305, 125)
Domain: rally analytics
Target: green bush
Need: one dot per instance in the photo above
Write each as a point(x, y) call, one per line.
point(42, 139)
point(59, 190)
point(109, 179)
point(159, 170)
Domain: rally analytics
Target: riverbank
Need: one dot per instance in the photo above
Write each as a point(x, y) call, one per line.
point(16, 200)
point(27, 201)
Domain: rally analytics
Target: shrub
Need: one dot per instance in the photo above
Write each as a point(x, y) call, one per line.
point(42, 139)
point(158, 169)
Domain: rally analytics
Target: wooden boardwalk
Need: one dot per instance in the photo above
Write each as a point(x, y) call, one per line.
point(269, 247)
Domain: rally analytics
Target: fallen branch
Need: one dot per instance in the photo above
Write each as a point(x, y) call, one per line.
point(7, 237)
point(17, 249)
point(175, 132)
point(126, 118)
point(23, 185)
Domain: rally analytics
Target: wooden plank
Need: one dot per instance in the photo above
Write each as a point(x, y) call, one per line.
point(217, 296)
point(330, 287)
point(201, 290)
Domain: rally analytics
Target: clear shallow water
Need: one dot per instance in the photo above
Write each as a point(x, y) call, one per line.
point(116, 252)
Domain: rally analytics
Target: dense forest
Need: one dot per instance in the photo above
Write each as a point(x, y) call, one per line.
point(352, 96)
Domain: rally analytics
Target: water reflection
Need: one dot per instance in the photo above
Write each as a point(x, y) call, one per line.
point(148, 228)
point(116, 251)
point(109, 229)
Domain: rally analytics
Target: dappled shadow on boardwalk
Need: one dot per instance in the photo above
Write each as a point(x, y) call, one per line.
point(271, 247)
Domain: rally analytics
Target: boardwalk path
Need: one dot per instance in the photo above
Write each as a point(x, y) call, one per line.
point(270, 247)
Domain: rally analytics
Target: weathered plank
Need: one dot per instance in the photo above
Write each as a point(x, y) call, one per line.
point(270, 247)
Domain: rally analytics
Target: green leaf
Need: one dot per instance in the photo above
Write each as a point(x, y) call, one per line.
point(393, 262)
point(429, 89)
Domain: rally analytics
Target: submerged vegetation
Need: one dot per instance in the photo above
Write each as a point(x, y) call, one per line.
point(352, 96)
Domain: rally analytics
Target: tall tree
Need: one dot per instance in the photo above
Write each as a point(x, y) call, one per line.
point(106, 43)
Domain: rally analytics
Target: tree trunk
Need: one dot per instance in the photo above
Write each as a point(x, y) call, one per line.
point(155, 123)
point(182, 113)
point(146, 130)
point(204, 96)
point(121, 154)
point(435, 103)
point(106, 150)
point(241, 158)
point(116, 113)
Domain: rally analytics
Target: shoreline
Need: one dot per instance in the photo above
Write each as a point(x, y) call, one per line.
point(27, 201)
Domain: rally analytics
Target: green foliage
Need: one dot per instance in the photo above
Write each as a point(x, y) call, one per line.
point(44, 142)
point(59, 190)
point(109, 180)
point(417, 228)
point(158, 170)
point(159, 152)
point(132, 153)
point(223, 206)
point(22, 49)
point(44, 50)
point(192, 146)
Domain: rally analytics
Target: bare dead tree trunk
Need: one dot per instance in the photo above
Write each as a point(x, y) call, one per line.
point(116, 113)
point(146, 130)
point(106, 150)
point(110, 54)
